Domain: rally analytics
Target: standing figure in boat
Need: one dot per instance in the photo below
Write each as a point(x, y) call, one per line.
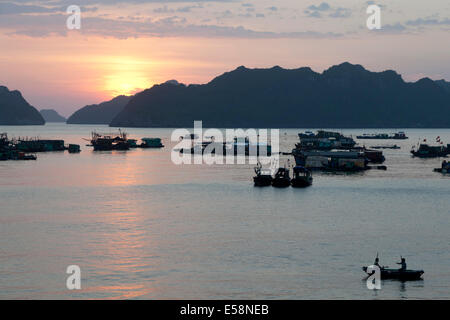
point(445, 167)
point(377, 262)
point(403, 264)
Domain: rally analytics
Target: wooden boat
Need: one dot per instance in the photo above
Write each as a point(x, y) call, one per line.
point(16, 155)
point(393, 146)
point(445, 168)
point(74, 148)
point(263, 177)
point(151, 143)
point(102, 142)
point(243, 146)
point(38, 145)
point(324, 140)
point(427, 151)
point(132, 143)
point(281, 179)
point(373, 136)
point(396, 136)
point(373, 156)
point(398, 274)
point(302, 177)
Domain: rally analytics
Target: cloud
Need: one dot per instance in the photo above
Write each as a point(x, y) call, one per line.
point(392, 28)
point(174, 26)
point(166, 9)
point(409, 26)
point(313, 14)
point(67, 3)
point(382, 6)
point(321, 7)
point(318, 11)
point(340, 13)
point(428, 22)
point(14, 8)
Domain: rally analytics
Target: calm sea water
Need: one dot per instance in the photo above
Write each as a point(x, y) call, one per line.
point(141, 227)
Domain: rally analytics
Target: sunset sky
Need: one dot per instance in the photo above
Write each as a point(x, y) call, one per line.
point(126, 46)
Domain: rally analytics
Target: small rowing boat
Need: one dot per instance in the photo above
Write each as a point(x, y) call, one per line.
point(398, 274)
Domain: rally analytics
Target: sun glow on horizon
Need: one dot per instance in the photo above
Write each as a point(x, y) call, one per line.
point(125, 83)
point(125, 75)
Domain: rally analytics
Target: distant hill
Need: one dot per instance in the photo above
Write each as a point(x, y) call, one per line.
point(101, 113)
point(443, 84)
point(51, 115)
point(344, 96)
point(15, 110)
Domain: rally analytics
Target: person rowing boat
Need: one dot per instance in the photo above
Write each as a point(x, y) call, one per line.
point(402, 263)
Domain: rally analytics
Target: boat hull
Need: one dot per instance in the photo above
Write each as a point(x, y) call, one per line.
point(281, 183)
point(262, 181)
point(301, 182)
point(397, 274)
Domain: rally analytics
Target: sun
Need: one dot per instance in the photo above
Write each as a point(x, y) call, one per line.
point(126, 83)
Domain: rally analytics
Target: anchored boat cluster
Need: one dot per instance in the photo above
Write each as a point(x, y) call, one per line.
point(24, 148)
point(238, 146)
point(334, 152)
point(120, 141)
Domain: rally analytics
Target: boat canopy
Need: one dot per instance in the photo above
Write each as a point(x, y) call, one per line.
point(300, 169)
point(266, 172)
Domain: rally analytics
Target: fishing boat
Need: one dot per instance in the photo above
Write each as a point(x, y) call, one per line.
point(282, 178)
point(372, 155)
point(74, 148)
point(199, 147)
point(391, 146)
point(399, 136)
point(23, 156)
point(324, 140)
point(102, 142)
point(9, 151)
point(333, 160)
point(132, 143)
point(445, 167)
point(373, 136)
point(16, 155)
point(38, 145)
point(398, 274)
point(427, 151)
point(238, 147)
point(302, 177)
point(151, 143)
point(243, 146)
point(4, 141)
point(381, 136)
point(263, 177)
